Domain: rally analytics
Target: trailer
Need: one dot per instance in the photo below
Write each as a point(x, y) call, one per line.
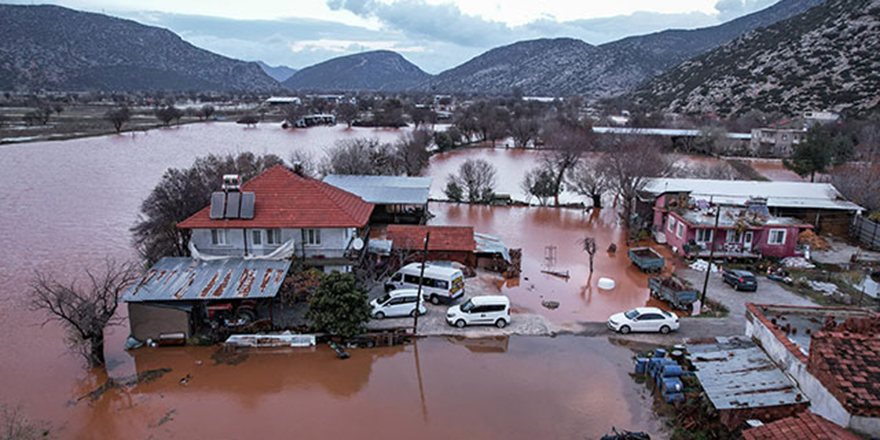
point(647, 259)
point(673, 291)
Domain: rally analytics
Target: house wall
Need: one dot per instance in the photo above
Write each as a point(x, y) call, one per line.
point(149, 321)
point(787, 249)
point(333, 242)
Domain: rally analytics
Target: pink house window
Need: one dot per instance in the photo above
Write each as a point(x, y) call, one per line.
point(776, 237)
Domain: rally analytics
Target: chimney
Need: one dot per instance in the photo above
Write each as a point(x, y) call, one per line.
point(231, 182)
point(298, 168)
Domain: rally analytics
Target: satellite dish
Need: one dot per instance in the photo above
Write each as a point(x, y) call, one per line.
point(357, 244)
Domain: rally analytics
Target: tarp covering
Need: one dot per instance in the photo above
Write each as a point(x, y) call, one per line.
point(188, 279)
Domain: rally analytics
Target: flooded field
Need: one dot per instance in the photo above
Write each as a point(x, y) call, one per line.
point(70, 205)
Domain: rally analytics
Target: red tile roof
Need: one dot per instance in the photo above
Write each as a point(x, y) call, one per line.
point(804, 426)
point(848, 365)
point(443, 238)
point(285, 199)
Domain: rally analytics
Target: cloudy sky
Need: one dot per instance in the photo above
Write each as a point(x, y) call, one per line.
point(434, 34)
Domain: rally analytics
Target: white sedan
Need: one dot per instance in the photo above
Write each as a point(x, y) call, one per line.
point(643, 319)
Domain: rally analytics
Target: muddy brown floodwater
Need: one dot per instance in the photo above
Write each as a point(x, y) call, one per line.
point(543, 233)
point(68, 205)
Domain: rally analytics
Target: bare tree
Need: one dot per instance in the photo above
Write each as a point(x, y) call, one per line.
point(539, 182)
point(567, 141)
point(118, 117)
point(476, 178)
point(859, 182)
point(586, 179)
point(14, 425)
point(347, 113)
point(87, 309)
point(168, 113)
point(523, 130)
point(306, 162)
point(366, 156)
point(206, 111)
point(293, 113)
point(628, 162)
point(412, 151)
point(588, 244)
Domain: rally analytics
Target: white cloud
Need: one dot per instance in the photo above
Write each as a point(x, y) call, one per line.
point(348, 46)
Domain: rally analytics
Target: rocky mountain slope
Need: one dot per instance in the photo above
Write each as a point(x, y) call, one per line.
point(278, 73)
point(380, 70)
point(56, 48)
point(559, 67)
point(826, 58)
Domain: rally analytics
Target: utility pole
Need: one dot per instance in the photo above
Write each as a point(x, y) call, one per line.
point(711, 252)
point(421, 280)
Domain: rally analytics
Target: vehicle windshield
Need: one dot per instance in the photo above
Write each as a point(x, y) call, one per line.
point(632, 314)
point(384, 299)
point(466, 307)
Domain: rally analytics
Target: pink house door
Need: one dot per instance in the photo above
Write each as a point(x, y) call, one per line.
point(748, 237)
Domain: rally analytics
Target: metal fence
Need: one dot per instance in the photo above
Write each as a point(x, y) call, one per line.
point(866, 231)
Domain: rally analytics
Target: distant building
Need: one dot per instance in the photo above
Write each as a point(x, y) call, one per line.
point(324, 226)
point(820, 117)
point(283, 100)
point(775, 142)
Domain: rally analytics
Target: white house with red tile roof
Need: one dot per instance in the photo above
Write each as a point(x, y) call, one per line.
point(321, 222)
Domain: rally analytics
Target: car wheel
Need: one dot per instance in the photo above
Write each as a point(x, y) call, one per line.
point(624, 330)
point(500, 323)
point(736, 287)
point(413, 313)
point(380, 315)
point(460, 323)
point(664, 330)
point(435, 300)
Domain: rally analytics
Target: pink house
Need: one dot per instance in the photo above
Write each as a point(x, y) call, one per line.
point(688, 227)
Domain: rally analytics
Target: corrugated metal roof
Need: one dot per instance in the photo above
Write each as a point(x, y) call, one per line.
point(738, 192)
point(735, 373)
point(663, 132)
point(384, 190)
point(186, 279)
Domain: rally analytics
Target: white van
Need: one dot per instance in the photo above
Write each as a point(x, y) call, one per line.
point(485, 310)
point(397, 303)
point(441, 283)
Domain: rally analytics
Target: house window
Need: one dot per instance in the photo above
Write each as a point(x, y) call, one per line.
point(312, 237)
point(670, 224)
point(704, 236)
point(257, 237)
point(733, 237)
point(777, 236)
point(219, 237)
point(273, 237)
point(679, 229)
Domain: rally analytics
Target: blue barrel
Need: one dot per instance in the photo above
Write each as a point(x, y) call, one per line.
point(653, 364)
point(672, 385)
point(641, 365)
point(659, 353)
point(671, 370)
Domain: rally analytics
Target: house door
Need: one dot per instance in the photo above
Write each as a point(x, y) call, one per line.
point(747, 240)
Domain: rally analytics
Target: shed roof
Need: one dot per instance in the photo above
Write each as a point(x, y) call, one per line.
point(804, 426)
point(285, 199)
point(670, 132)
point(385, 190)
point(443, 238)
point(737, 192)
point(183, 278)
point(736, 374)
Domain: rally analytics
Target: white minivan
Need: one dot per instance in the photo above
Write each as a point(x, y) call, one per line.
point(397, 303)
point(485, 310)
point(440, 284)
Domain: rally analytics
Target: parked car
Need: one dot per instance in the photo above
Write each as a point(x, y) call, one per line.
point(485, 310)
point(741, 280)
point(643, 319)
point(439, 284)
point(397, 303)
